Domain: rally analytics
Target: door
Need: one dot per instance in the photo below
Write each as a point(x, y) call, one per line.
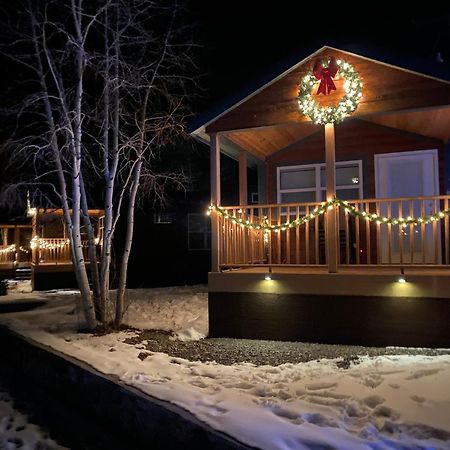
point(408, 174)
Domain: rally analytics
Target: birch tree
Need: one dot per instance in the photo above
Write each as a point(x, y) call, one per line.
point(109, 80)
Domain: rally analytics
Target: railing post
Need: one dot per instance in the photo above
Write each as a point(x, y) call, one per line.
point(332, 242)
point(215, 199)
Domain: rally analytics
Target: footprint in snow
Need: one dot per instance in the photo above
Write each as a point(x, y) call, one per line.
point(319, 420)
point(373, 380)
point(417, 399)
point(385, 411)
point(320, 385)
point(284, 412)
point(417, 431)
point(213, 409)
point(373, 401)
point(422, 373)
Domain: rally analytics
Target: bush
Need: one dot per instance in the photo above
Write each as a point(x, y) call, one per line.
point(3, 287)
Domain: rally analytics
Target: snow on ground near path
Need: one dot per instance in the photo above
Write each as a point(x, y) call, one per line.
point(386, 402)
point(17, 433)
point(183, 310)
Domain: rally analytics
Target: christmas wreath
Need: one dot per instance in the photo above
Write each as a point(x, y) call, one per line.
point(324, 71)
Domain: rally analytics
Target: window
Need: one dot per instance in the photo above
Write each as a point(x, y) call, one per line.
point(162, 218)
point(254, 197)
point(302, 184)
point(199, 232)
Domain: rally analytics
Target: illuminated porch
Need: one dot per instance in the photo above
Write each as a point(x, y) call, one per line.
point(349, 239)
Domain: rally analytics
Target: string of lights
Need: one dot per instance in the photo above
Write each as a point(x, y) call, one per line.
point(8, 249)
point(266, 227)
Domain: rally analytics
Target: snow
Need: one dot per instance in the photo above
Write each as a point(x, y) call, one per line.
point(384, 402)
point(17, 432)
point(183, 310)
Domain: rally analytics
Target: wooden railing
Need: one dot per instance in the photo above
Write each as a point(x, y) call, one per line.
point(376, 242)
point(363, 239)
point(7, 254)
point(55, 251)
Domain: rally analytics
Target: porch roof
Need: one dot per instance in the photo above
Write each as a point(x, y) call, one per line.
point(403, 93)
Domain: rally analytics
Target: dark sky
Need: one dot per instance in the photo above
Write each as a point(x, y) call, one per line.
point(242, 39)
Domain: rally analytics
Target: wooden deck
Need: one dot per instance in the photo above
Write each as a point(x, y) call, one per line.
point(439, 271)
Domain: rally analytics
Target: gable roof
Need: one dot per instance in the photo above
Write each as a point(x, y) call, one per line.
point(432, 69)
point(268, 106)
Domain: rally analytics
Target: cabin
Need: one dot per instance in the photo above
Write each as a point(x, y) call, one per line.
point(349, 241)
point(41, 248)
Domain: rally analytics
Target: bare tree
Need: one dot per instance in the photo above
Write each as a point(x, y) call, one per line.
point(108, 96)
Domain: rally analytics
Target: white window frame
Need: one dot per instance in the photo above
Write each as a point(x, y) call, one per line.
point(318, 189)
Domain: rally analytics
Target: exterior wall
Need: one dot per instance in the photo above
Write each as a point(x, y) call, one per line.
point(367, 308)
point(331, 319)
point(354, 140)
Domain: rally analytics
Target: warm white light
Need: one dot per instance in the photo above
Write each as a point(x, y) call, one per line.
point(267, 276)
point(402, 280)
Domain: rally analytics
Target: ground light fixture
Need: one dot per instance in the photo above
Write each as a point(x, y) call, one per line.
point(268, 275)
point(402, 278)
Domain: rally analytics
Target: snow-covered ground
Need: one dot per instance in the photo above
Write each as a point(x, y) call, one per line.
point(16, 432)
point(384, 402)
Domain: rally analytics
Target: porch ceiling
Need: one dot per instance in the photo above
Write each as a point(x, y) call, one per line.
point(432, 123)
point(264, 142)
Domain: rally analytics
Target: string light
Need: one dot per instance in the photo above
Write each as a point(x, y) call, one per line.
point(331, 114)
point(266, 227)
point(9, 249)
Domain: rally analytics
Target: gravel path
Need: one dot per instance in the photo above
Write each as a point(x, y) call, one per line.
point(258, 352)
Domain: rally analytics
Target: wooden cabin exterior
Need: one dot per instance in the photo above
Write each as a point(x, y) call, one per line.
point(15, 251)
point(51, 261)
point(372, 267)
point(43, 247)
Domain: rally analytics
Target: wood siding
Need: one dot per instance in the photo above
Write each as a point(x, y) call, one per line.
point(355, 139)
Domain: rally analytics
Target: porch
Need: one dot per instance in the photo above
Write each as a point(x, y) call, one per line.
point(350, 230)
point(365, 234)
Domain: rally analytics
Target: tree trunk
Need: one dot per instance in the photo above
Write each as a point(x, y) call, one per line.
point(120, 301)
point(92, 251)
point(77, 246)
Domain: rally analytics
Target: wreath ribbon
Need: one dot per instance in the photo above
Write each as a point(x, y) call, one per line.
point(326, 75)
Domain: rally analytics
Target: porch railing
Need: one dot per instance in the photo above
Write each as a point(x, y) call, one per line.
point(55, 251)
point(7, 254)
point(368, 233)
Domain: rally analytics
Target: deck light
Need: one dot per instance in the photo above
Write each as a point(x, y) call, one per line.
point(268, 276)
point(402, 280)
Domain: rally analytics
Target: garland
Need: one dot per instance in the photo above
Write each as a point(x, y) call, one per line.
point(330, 114)
point(319, 210)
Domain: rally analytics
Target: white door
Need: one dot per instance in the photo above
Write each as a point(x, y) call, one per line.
point(407, 174)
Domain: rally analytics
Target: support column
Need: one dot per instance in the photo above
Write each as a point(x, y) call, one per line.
point(331, 215)
point(215, 199)
point(243, 195)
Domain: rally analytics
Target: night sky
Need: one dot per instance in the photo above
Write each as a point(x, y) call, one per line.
point(243, 40)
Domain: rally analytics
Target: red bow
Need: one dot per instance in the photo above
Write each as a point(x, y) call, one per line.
point(326, 75)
